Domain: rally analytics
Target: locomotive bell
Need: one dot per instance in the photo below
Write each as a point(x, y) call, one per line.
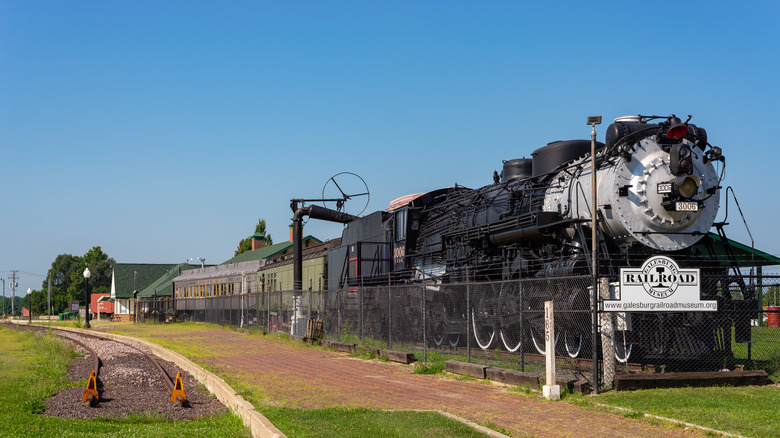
point(676, 128)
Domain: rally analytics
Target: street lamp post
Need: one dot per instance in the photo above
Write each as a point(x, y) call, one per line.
point(135, 298)
point(86, 297)
point(29, 306)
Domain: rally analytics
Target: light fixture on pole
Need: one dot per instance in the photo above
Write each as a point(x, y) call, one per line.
point(29, 306)
point(593, 121)
point(87, 274)
point(201, 259)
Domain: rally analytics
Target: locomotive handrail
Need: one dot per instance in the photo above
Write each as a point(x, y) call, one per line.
point(752, 243)
point(734, 195)
point(684, 233)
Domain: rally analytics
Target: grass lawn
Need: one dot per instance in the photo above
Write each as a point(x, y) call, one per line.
point(765, 350)
point(748, 411)
point(34, 368)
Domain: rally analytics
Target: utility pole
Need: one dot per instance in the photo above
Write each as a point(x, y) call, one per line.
point(49, 302)
point(13, 289)
point(3, 297)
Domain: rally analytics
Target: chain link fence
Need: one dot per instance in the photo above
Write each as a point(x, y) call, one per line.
point(502, 324)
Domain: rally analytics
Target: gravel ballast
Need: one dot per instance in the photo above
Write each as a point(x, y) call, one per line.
point(128, 384)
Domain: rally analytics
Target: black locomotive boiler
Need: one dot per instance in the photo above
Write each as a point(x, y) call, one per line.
point(658, 185)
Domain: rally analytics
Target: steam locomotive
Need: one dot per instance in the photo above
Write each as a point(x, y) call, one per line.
point(658, 188)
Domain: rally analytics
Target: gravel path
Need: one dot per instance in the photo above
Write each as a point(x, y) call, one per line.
point(128, 384)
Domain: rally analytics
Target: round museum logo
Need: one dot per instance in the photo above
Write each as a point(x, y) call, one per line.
point(660, 276)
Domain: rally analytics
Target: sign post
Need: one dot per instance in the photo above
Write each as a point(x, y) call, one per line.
point(551, 390)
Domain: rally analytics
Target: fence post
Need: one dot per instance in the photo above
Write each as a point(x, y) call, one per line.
point(424, 325)
point(468, 318)
point(607, 337)
point(338, 315)
point(522, 329)
point(279, 313)
point(594, 303)
point(389, 316)
point(360, 296)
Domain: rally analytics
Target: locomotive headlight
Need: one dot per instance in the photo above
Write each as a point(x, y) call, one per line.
point(680, 162)
point(686, 187)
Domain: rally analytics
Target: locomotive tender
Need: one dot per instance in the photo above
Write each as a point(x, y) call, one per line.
point(658, 193)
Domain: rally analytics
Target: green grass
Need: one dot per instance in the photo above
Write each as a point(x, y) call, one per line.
point(359, 423)
point(765, 351)
point(748, 411)
point(35, 368)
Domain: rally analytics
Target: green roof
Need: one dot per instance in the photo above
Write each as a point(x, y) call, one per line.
point(744, 255)
point(162, 287)
point(146, 274)
point(267, 252)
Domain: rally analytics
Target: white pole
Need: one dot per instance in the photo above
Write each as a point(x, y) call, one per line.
point(607, 336)
point(551, 390)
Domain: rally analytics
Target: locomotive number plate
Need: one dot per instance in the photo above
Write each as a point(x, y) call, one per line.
point(687, 206)
point(664, 188)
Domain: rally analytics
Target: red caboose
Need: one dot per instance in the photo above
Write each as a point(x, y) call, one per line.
point(100, 303)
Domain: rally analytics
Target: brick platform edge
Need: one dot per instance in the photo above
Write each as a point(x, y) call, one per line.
point(255, 421)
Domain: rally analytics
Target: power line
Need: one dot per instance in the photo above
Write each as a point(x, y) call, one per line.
point(30, 273)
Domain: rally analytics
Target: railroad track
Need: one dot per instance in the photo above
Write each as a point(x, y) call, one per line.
point(122, 378)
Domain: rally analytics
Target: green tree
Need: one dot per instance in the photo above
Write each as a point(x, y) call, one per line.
point(39, 302)
point(246, 244)
point(61, 271)
point(99, 264)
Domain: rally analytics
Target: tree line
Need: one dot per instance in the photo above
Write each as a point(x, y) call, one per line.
point(67, 281)
point(67, 277)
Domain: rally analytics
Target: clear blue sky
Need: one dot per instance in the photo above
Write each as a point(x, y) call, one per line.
point(163, 130)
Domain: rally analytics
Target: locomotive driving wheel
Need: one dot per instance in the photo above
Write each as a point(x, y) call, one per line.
point(483, 319)
point(510, 317)
point(437, 323)
point(573, 343)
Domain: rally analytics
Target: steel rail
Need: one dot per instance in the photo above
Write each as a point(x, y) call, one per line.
point(179, 399)
point(164, 373)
